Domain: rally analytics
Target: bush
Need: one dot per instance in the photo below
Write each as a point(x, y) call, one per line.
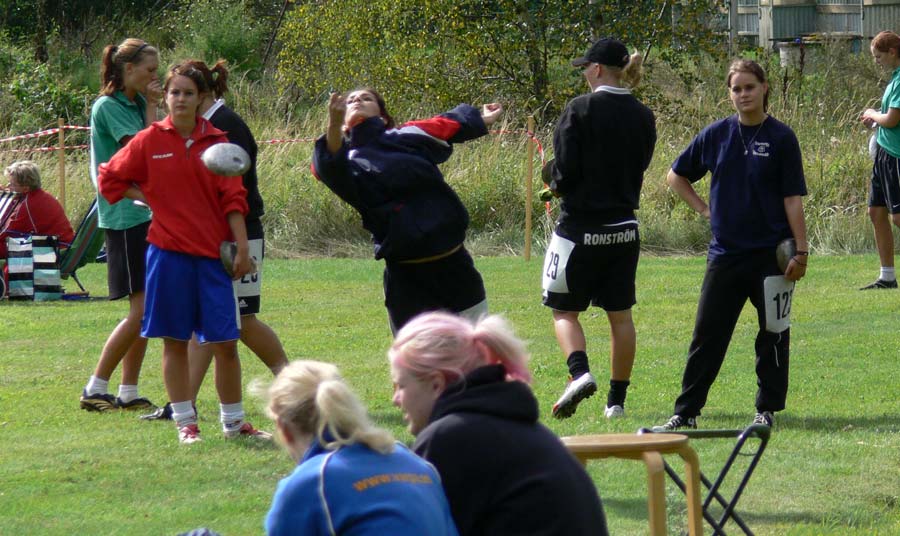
point(36, 94)
point(210, 30)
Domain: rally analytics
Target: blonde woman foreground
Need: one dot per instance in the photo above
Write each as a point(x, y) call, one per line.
point(351, 477)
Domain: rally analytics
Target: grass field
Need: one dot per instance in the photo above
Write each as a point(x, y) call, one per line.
point(832, 467)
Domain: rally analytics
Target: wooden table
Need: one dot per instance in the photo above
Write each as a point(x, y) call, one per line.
point(649, 448)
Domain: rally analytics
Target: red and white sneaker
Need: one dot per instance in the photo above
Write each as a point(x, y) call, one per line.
point(246, 430)
point(188, 434)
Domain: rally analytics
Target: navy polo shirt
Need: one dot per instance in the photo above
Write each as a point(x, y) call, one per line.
point(746, 198)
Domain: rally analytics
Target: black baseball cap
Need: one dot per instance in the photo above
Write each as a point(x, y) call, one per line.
point(606, 51)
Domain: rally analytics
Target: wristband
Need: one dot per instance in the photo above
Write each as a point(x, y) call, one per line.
point(801, 253)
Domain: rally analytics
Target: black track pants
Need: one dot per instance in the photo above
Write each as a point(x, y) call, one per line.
point(727, 285)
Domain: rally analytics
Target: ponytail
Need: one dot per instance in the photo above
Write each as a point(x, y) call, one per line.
point(312, 399)
point(633, 72)
point(112, 63)
point(219, 84)
point(215, 79)
point(453, 346)
point(343, 420)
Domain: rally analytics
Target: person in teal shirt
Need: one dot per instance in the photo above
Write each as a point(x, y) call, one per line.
point(127, 103)
point(884, 191)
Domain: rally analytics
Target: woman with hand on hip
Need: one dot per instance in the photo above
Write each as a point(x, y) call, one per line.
point(755, 203)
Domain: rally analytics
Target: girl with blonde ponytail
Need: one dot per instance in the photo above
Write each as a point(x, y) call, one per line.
point(351, 475)
point(463, 389)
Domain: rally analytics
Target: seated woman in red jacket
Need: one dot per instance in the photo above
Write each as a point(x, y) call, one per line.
point(37, 212)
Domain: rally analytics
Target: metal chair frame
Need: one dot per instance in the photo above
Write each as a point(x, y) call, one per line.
point(754, 431)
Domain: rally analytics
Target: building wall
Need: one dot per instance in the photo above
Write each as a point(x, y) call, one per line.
point(882, 16)
point(793, 18)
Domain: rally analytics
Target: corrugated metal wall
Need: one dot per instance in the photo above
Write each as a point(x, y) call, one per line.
point(789, 22)
point(822, 16)
point(880, 17)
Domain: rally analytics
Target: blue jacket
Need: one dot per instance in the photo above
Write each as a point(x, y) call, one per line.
point(391, 178)
point(356, 491)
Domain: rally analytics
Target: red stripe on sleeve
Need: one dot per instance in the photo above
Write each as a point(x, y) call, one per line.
point(439, 127)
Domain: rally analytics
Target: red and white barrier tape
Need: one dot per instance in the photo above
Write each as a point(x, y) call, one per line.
point(52, 131)
point(48, 132)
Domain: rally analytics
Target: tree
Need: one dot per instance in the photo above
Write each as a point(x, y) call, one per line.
point(446, 51)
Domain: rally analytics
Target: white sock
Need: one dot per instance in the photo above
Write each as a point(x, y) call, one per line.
point(128, 392)
point(232, 415)
point(183, 413)
point(887, 273)
point(96, 386)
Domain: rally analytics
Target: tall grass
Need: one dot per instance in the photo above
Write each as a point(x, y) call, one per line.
point(821, 104)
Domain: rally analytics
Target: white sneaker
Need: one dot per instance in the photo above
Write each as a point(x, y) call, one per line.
point(614, 412)
point(577, 390)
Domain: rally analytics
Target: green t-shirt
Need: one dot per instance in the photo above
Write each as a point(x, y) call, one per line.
point(113, 118)
point(889, 138)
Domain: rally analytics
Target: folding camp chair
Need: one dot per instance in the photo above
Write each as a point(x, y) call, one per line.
point(84, 248)
point(754, 431)
point(8, 201)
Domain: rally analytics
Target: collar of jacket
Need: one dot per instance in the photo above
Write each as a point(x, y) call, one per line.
point(366, 131)
point(203, 128)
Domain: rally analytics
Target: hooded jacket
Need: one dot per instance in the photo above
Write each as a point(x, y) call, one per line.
point(503, 471)
point(391, 178)
point(189, 202)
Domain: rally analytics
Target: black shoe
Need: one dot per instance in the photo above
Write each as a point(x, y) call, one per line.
point(98, 402)
point(677, 422)
point(880, 283)
point(765, 418)
point(138, 404)
point(161, 414)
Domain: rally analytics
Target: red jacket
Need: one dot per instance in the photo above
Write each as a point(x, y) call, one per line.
point(38, 213)
point(189, 202)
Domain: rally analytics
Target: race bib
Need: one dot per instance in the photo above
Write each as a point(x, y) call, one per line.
point(778, 293)
point(249, 285)
point(554, 279)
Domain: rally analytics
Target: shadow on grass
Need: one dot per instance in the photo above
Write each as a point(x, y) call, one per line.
point(677, 509)
point(818, 423)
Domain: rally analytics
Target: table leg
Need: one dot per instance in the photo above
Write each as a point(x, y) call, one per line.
point(692, 483)
point(656, 486)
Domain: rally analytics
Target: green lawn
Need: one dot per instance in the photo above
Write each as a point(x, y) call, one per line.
point(832, 467)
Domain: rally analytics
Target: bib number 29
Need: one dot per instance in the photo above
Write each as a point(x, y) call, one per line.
point(554, 276)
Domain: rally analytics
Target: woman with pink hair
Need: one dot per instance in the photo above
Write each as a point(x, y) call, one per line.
point(463, 389)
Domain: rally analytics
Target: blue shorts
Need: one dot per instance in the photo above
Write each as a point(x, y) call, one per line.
point(188, 294)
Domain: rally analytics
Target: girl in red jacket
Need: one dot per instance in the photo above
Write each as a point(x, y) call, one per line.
point(194, 210)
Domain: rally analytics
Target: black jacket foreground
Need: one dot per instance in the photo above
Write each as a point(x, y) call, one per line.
point(504, 473)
